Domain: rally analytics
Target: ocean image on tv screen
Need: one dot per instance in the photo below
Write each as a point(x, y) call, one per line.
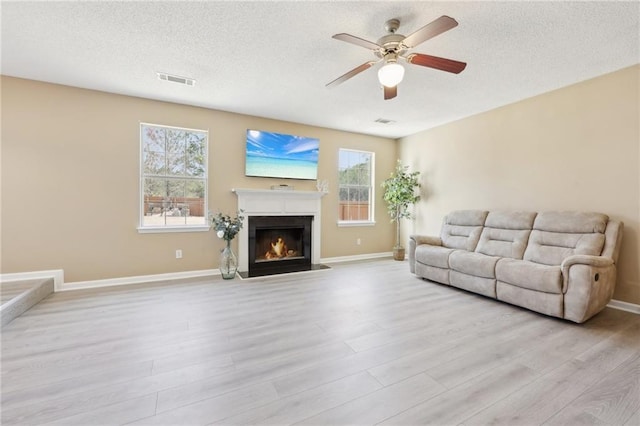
point(281, 156)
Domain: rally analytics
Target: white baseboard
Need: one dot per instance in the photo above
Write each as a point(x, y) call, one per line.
point(368, 256)
point(56, 274)
point(60, 285)
point(78, 285)
point(624, 306)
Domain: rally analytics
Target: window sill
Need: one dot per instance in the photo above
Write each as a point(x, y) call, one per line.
point(347, 223)
point(168, 229)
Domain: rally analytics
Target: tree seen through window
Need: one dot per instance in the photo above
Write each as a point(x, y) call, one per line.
point(174, 176)
point(355, 175)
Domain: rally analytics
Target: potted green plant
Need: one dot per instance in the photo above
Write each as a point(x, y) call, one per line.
point(399, 194)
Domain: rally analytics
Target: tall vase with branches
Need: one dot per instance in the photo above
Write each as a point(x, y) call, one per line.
point(227, 228)
point(399, 194)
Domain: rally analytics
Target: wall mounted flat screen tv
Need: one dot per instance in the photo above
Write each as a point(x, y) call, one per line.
point(277, 155)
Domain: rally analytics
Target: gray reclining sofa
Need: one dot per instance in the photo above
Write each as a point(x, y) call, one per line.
point(561, 264)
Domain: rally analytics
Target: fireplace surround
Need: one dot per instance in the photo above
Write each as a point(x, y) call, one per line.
point(281, 205)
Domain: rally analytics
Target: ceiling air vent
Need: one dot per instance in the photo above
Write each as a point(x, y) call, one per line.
point(384, 121)
point(176, 79)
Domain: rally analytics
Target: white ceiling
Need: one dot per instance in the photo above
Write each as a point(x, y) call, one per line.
point(273, 59)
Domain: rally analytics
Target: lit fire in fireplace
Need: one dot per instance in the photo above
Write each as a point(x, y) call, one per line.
point(279, 250)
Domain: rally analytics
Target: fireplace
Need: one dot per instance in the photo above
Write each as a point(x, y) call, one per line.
point(279, 244)
point(281, 205)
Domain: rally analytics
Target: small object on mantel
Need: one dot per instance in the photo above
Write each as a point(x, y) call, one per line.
point(282, 187)
point(322, 186)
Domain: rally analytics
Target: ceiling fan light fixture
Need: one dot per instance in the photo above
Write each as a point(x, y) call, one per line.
point(393, 46)
point(391, 74)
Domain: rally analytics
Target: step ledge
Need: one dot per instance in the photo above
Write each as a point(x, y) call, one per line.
point(18, 305)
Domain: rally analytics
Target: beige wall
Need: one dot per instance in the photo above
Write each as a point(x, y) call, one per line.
point(70, 164)
point(576, 148)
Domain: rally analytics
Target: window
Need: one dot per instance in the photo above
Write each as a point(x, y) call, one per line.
point(355, 185)
point(173, 179)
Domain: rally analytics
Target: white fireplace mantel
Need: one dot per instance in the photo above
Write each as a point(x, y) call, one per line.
point(265, 202)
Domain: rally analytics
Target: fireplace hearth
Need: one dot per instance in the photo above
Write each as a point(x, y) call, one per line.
point(279, 244)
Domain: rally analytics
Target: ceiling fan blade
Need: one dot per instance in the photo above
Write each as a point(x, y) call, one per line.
point(357, 70)
point(432, 29)
point(357, 41)
point(442, 64)
point(390, 92)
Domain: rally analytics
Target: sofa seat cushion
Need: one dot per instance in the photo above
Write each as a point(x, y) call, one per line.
point(433, 273)
point(437, 256)
point(479, 285)
point(546, 303)
point(533, 276)
point(475, 264)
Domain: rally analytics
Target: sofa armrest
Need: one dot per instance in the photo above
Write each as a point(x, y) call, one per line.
point(426, 239)
point(583, 259)
point(588, 284)
point(415, 241)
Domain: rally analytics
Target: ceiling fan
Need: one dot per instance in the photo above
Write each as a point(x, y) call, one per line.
point(393, 46)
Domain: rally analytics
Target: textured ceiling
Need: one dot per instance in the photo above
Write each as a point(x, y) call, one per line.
point(273, 59)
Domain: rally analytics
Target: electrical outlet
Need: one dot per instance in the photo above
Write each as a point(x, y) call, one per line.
point(178, 254)
point(358, 241)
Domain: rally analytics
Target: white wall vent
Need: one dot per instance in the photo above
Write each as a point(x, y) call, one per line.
point(176, 79)
point(384, 121)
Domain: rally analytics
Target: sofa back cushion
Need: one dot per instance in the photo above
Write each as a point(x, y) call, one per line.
point(612, 240)
point(506, 234)
point(462, 229)
point(557, 235)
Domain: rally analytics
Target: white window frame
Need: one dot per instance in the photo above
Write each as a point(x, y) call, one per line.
point(173, 228)
point(372, 192)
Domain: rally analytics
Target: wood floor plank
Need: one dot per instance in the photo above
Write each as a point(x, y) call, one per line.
point(215, 409)
point(334, 369)
point(378, 406)
point(455, 405)
point(539, 400)
point(42, 363)
point(20, 392)
point(613, 400)
point(415, 329)
point(474, 360)
point(120, 413)
point(299, 406)
point(257, 373)
point(199, 356)
point(634, 420)
point(351, 331)
point(58, 407)
point(451, 342)
point(561, 347)
point(612, 351)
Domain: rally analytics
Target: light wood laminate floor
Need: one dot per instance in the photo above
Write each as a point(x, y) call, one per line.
point(362, 343)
